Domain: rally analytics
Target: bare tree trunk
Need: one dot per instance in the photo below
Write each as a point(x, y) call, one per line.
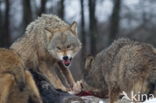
point(92, 25)
point(1, 21)
point(43, 7)
point(1, 26)
point(27, 13)
point(61, 9)
point(83, 33)
point(115, 20)
point(5, 36)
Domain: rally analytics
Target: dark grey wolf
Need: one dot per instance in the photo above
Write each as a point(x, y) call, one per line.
point(125, 65)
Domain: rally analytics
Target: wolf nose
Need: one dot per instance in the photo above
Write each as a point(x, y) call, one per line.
point(65, 58)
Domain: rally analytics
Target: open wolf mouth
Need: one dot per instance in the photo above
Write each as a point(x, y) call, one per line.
point(67, 62)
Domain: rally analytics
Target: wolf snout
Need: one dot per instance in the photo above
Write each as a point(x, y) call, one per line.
point(66, 60)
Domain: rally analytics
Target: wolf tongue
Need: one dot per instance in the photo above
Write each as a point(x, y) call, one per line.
point(66, 61)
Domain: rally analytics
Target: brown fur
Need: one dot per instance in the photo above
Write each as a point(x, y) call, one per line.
point(15, 80)
point(124, 66)
point(37, 50)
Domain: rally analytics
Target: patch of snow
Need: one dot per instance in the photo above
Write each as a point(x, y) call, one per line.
point(150, 101)
point(101, 101)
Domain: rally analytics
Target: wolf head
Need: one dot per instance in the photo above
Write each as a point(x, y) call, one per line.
point(63, 43)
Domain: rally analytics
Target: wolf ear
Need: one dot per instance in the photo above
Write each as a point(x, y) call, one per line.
point(88, 62)
point(73, 27)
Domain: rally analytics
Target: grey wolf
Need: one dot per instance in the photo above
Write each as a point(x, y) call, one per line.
point(125, 65)
point(16, 83)
point(48, 41)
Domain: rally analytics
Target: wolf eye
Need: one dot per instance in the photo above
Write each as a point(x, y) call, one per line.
point(68, 46)
point(58, 48)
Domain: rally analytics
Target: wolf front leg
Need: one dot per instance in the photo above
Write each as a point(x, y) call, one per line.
point(75, 86)
point(51, 76)
point(35, 95)
point(67, 73)
point(6, 82)
point(113, 94)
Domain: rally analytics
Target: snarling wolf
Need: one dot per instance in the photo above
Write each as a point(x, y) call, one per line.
point(126, 66)
point(48, 41)
point(17, 84)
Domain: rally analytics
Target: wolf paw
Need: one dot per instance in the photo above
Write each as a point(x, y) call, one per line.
point(77, 88)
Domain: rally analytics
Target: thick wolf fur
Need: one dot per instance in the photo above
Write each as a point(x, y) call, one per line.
point(124, 66)
point(44, 44)
point(17, 84)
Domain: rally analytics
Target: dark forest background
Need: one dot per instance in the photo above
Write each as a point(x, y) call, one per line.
point(100, 21)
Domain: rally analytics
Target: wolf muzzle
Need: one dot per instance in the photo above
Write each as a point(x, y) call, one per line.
point(66, 60)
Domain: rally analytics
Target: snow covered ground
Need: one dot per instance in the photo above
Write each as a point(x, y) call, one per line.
point(150, 101)
point(92, 99)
